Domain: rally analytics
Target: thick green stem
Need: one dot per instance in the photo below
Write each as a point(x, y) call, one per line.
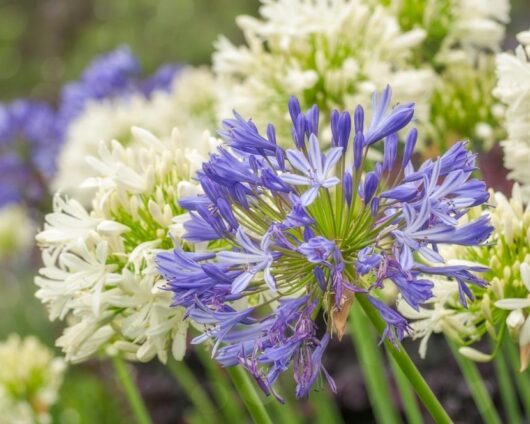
point(372, 366)
point(508, 395)
point(193, 389)
point(222, 388)
point(131, 391)
point(326, 410)
point(410, 404)
point(248, 394)
point(421, 387)
point(476, 386)
point(522, 379)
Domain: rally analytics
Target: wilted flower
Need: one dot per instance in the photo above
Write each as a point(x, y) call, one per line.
point(98, 266)
point(299, 232)
point(513, 88)
point(503, 304)
point(30, 378)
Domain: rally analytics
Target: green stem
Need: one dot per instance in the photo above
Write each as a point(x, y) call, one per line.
point(326, 410)
point(476, 386)
point(410, 404)
point(193, 389)
point(421, 387)
point(222, 388)
point(522, 379)
point(284, 413)
point(248, 394)
point(508, 395)
point(131, 391)
point(372, 366)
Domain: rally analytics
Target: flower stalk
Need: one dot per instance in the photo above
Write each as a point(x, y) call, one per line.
point(248, 394)
point(373, 367)
point(424, 392)
point(476, 386)
point(131, 391)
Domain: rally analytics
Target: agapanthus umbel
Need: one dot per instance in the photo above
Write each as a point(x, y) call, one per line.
point(300, 232)
point(30, 379)
point(99, 270)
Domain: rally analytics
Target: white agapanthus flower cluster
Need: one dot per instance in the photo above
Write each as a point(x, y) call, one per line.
point(333, 53)
point(99, 273)
point(17, 231)
point(189, 105)
point(504, 305)
point(513, 89)
point(462, 37)
point(477, 24)
point(30, 378)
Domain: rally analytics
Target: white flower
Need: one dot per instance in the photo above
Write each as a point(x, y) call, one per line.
point(16, 231)
point(334, 53)
point(513, 89)
point(30, 378)
point(479, 24)
point(189, 105)
point(99, 272)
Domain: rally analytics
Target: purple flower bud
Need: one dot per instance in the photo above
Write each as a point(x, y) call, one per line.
point(298, 131)
point(280, 158)
point(253, 163)
point(334, 124)
point(370, 186)
point(358, 118)
point(312, 121)
point(271, 134)
point(308, 233)
point(340, 129)
point(226, 212)
point(358, 148)
point(391, 143)
point(320, 277)
point(294, 109)
point(374, 206)
point(409, 146)
point(347, 186)
point(213, 221)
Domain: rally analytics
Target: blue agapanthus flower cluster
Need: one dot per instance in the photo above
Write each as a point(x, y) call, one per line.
point(114, 74)
point(28, 148)
point(299, 233)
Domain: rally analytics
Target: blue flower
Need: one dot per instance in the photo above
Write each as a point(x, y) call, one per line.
point(116, 74)
point(300, 233)
point(314, 168)
point(29, 146)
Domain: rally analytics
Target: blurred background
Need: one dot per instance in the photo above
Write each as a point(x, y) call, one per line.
point(44, 43)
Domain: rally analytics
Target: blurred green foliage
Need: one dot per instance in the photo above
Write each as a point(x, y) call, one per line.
point(46, 42)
